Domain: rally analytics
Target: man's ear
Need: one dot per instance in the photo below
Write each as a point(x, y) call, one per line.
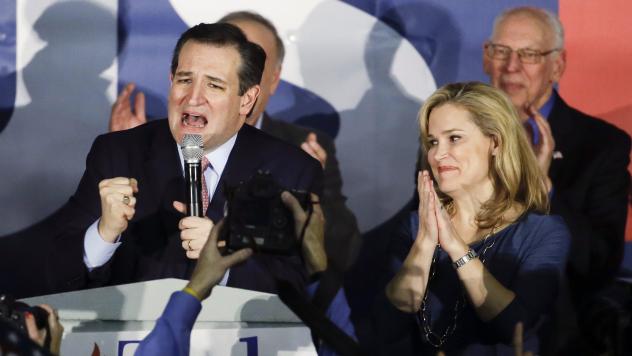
point(559, 65)
point(170, 79)
point(276, 79)
point(249, 99)
point(487, 63)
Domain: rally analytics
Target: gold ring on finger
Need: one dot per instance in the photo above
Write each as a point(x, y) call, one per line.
point(126, 199)
point(189, 245)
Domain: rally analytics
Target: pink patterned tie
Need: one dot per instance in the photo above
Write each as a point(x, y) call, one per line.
point(205, 197)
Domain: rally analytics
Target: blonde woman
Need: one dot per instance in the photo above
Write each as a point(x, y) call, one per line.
point(480, 254)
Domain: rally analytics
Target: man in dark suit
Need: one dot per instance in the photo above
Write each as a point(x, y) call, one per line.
point(585, 158)
point(341, 235)
point(125, 222)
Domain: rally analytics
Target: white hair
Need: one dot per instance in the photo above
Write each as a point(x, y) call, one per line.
point(546, 16)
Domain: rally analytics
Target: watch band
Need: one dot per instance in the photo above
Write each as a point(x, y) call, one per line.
point(471, 254)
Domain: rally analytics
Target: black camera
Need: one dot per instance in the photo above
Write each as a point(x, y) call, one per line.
point(12, 312)
point(256, 217)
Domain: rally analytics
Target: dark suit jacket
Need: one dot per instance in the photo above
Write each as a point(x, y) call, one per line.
point(590, 191)
point(342, 236)
point(151, 246)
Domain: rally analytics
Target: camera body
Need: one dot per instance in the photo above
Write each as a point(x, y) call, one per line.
point(256, 217)
point(12, 312)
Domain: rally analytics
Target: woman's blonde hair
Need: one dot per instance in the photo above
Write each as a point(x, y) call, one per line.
point(516, 177)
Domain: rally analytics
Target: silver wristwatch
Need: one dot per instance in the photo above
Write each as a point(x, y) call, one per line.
point(471, 254)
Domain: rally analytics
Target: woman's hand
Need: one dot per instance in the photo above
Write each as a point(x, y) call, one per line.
point(448, 238)
point(428, 201)
point(485, 293)
point(406, 290)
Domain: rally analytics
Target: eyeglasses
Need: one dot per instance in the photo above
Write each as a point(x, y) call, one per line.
point(526, 55)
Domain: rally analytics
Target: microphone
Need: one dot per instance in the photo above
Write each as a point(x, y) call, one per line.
point(192, 152)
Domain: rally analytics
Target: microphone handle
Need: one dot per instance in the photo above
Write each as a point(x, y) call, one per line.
point(193, 181)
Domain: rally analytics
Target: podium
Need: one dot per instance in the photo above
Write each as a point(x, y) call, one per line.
point(113, 320)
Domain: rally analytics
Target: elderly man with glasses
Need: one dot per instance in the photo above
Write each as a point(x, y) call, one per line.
point(585, 159)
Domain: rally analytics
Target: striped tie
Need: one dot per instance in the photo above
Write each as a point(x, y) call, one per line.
point(205, 197)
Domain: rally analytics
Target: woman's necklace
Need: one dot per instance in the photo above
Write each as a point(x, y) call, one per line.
point(434, 338)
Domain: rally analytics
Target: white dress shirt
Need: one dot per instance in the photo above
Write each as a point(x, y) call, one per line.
point(259, 122)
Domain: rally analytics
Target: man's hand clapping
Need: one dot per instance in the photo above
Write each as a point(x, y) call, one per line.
point(314, 149)
point(122, 117)
point(544, 149)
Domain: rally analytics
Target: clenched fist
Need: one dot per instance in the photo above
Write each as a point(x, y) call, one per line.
point(117, 206)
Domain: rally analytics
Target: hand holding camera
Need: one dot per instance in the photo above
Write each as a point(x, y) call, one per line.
point(310, 229)
point(39, 323)
point(263, 216)
point(258, 218)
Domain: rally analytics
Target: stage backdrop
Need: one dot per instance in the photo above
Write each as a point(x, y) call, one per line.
point(356, 69)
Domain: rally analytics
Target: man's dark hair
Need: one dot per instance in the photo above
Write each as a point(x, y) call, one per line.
point(249, 16)
point(253, 57)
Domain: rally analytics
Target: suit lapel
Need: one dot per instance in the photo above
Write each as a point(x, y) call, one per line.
point(562, 127)
point(242, 163)
point(163, 180)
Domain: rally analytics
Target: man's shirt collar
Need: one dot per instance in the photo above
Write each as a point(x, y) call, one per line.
point(218, 157)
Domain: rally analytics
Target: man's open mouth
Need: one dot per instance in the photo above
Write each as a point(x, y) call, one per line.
point(196, 121)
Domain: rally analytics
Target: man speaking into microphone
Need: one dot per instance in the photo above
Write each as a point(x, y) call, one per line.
point(126, 223)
